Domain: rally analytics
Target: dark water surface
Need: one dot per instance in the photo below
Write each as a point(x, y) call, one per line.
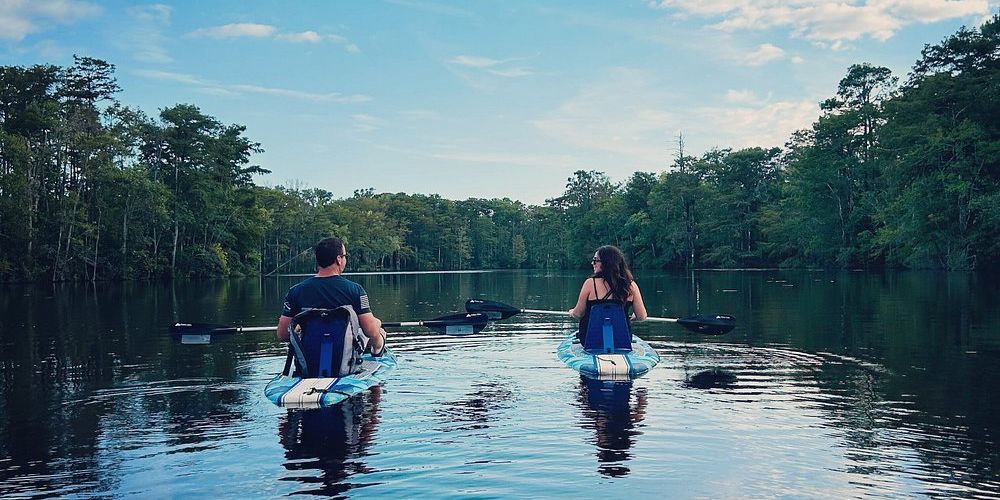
point(833, 385)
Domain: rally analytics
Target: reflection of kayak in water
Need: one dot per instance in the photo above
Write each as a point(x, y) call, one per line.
point(617, 365)
point(325, 448)
point(611, 411)
point(607, 396)
point(298, 392)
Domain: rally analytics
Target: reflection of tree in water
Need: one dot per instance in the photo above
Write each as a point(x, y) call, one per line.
point(607, 410)
point(477, 409)
point(878, 420)
point(330, 440)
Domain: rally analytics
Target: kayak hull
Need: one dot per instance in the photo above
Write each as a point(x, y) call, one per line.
point(297, 392)
point(611, 366)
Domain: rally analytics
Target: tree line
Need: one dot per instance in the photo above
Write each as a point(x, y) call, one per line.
point(891, 175)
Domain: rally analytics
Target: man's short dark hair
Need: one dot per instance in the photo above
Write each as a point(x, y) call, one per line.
point(327, 251)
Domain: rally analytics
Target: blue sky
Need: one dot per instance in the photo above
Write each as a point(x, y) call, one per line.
point(484, 98)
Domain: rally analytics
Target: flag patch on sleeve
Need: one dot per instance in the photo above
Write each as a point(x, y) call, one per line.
point(364, 302)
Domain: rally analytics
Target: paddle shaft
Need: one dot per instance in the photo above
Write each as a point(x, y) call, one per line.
point(566, 313)
point(459, 323)
point(408, 323)
point(241, 329)
point(706, 324)
point(384, 323)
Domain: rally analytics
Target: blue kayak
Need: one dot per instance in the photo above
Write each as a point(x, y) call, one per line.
point(298, 392)
point(621, 365)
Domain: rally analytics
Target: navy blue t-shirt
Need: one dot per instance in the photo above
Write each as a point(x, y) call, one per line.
point(325, 293)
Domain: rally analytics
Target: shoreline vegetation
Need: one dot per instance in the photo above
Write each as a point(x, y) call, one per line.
point(892, 175)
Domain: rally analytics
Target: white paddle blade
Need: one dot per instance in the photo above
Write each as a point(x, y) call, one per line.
point(196, 339)
point(459, 330)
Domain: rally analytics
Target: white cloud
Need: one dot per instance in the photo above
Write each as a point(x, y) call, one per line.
point(157, 13)
point(170, 76)
point(743, 96)
point(929, 11)
point(763, 125)
point(365, 123)
point(218, 92)
point(305, 36)
point(20, 18)
point(237, 30)
point(348, 46)
point(624, 115)
point(145, 37)
point(764, 54)
point(256, 30)
point(310, 96)
point(475, 61)
point(630, 118)
point(496, 67)
point(215, 88)
point(797, 60)
point(50, 49)
point(507, 158)
point(826, 20)
point(511, 72)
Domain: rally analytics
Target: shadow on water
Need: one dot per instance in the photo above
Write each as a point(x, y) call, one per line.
point(478, 409)
point(326, 447)
point(608, 410)
point(714, 378)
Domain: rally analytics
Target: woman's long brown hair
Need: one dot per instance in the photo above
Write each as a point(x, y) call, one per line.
point(615, 272)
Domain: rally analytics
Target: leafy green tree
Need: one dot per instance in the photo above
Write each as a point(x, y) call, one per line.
point(675, 204)
point(944, 177)
point(739, 183)
point(28, 117)
point(585, 211)
point(207, 169)
point(832, 198)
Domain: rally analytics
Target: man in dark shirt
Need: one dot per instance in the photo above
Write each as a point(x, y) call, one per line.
point(329, 290)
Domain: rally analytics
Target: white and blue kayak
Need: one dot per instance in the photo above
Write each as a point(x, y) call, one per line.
point(622, 365)
point(298, 392)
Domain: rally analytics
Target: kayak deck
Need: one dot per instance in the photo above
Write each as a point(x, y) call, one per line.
point(612, 366)
point(298, 392)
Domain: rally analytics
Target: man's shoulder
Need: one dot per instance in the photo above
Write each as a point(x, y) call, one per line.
point(302, 284)
point(354, 287)
point(337, 281)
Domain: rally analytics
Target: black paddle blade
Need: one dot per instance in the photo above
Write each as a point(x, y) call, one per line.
point(491, 308)
point(458, 323)
point(709, 324)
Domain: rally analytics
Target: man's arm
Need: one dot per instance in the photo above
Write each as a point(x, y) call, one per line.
point(372, 327)
point(282, 332)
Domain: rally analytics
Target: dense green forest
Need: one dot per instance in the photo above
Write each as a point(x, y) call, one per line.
point(891, 175)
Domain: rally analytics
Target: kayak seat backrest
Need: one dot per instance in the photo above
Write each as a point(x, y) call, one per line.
point(328, 343)
point(608, 330)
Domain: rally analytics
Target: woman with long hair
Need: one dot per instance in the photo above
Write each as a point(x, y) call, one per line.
point(611, 282)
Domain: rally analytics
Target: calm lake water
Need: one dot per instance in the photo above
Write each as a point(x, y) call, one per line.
point(833, 385)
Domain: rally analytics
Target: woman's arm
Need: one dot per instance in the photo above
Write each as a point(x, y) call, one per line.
point(581, 302)
point(638, 308)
